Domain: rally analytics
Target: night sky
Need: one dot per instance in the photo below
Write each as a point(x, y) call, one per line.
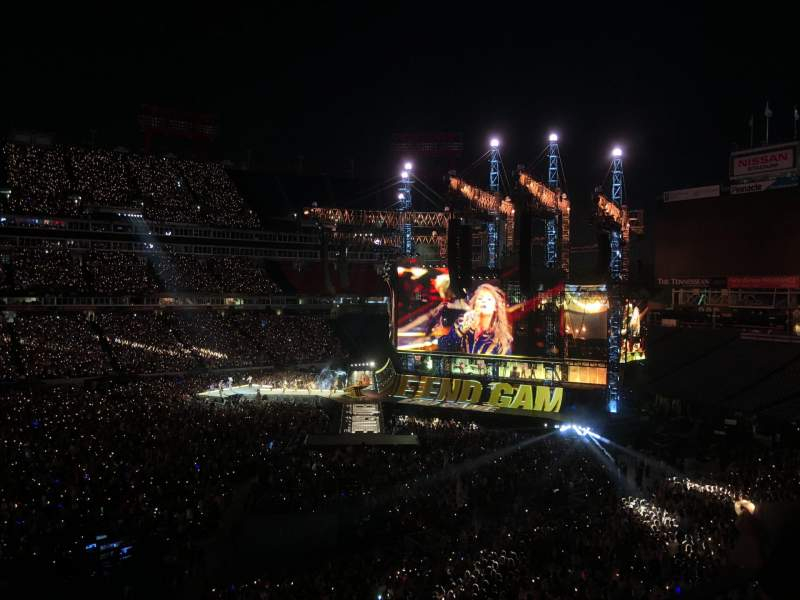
point(674, 88)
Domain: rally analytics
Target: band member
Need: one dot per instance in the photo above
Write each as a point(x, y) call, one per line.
point(484, 328)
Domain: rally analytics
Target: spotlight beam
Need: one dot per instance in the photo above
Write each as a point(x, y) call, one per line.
point(419, 485)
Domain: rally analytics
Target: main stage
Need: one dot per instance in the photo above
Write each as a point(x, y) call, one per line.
point(271, 392)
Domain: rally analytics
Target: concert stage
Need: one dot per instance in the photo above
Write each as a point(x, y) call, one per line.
point(270, 392)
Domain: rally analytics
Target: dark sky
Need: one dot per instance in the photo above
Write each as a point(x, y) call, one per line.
point(674, 87)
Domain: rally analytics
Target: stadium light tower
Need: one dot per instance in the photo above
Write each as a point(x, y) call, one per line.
point(404, 205)
point(494, 187)
point(615, 307)
point(616, 198)
point(551, 224)
point(494, 165)
point(551, 247)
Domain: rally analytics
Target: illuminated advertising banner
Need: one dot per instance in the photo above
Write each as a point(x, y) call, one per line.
point(694, 282)
point(791, 282)
point(706, 191)
point(432, 318)
point(775, 159)
point(470, 394)
point(768, 184)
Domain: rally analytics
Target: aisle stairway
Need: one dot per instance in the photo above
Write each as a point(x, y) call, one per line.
point(361, 417)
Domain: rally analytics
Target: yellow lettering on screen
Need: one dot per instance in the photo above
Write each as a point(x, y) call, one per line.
point(403, 386)
point(538, 372)
point(548, 400)
point(448, 390)
point(424, 388)
point(471, 391)
point(523, 398)
point(500, 395)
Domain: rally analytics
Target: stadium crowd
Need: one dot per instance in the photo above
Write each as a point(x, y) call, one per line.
point(75, 344)
point(71, 181)
point(120, 273)
point(60, 267)
point(50, 267)
point(65, 345)
point(145, 343)
point(472, 512)
point(143, 463)
point(476, 513)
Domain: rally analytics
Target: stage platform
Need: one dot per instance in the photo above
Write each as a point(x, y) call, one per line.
point(267, 392)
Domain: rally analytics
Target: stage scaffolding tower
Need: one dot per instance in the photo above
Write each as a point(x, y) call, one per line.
point(616, 278)
point(494, 218)
point(404, 206)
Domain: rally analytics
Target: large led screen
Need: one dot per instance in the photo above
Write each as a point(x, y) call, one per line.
point(431, 317)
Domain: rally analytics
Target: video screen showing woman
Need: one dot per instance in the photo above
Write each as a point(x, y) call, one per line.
point(484, 328)
point(433, 319)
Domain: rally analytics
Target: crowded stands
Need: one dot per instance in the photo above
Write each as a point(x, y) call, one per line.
point(144, 343)
point(54, 346)
point(100, 178)
point(71, 181)
point(74, 344)
point(474, 514)
point(113, 465)
point(39, 182)
point(48, 267)
point(7, 366)
point(185, 272)
point(143, 463)
point(61, 267)
point(117, 273)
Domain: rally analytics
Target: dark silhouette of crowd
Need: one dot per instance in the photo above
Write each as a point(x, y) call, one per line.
point(483, 513)
point(471, 512)
point(145, 463)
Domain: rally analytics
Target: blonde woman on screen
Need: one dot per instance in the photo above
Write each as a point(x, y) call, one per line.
point(484, 328)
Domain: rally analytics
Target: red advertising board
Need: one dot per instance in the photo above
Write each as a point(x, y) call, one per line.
point(774, 159)
point(769, 282)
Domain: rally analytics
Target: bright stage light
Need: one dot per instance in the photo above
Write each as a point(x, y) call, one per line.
point(744, 505)
point(553, 137)
point(581, 430)
point(401, 196)
point(404, 174)
point(494, 143)
point(408, 166)
point(616, 152)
